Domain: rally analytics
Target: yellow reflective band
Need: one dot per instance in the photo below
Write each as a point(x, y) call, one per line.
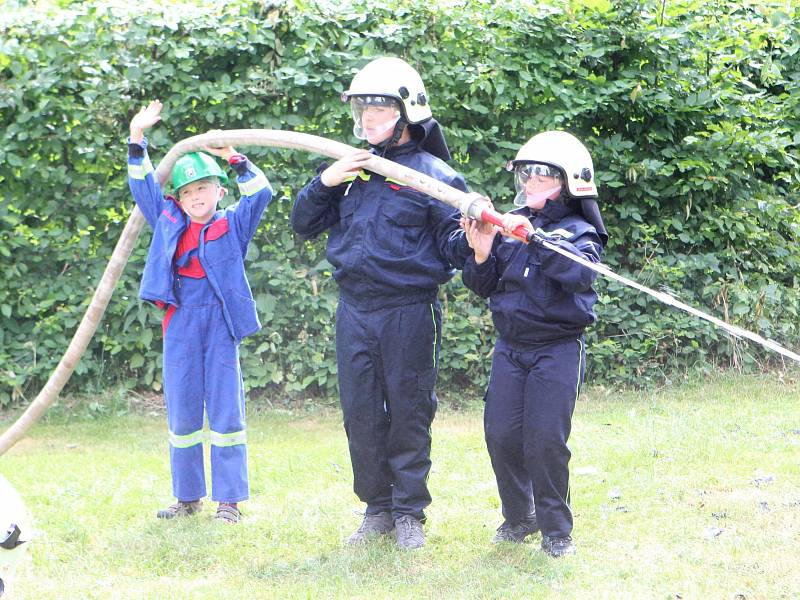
point(186, 441)
point(362, 174)
point(140, 171)
point(390, 180)
point(228, 439)
point(254, 185)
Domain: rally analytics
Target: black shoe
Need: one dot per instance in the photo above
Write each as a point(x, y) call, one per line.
point(558, 547)
point(408, 532)
point(371, 527)
point(180, 509)
point(516, 532)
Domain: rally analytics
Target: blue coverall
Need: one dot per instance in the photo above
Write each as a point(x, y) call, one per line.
point(391, 247)
point(211, 315)
point(541, 302)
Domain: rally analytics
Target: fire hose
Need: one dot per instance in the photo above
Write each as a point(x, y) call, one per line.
point(471, 205)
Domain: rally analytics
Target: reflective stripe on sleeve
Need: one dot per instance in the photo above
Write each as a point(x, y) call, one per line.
point(140, 171)
point(254, 185)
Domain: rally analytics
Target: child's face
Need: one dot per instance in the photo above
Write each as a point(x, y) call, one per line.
point(537, 188)
point(198, 199)
point(376, 123)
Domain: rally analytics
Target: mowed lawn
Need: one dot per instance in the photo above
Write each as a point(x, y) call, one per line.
point(688, 492)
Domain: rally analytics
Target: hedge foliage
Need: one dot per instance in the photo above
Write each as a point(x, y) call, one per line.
point(690, 110)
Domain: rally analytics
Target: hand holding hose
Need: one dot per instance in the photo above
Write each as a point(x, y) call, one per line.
point(514, 224)
point(345, 168)
point(480, 237)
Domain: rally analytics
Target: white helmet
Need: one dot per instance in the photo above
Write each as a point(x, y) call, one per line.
point(392, 77)
point(15, 530)
point(565, 152)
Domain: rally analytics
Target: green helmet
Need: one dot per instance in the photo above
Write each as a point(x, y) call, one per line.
point(194, 166)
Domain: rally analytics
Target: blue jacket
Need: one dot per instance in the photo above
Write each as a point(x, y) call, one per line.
point(223, 241)
point(535, 294)
point(390, 244)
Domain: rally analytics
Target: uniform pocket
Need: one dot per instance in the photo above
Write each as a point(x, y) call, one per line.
point(403, 224)
point(426, 382)
point(536, 284)
point(242, 310)
point(426, 379)
point(178, 350)
point(221, 250)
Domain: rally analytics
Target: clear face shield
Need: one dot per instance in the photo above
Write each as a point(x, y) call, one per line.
point(373, 116)
point(535, 183)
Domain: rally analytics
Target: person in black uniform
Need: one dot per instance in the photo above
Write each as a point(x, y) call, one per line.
point(541, 302)
point(391, 247)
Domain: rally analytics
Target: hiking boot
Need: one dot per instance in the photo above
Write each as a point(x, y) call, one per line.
point(516, 532)
point(180, 509)
point(371, 527)
point(558, 547)
point(228, 512)
point(408, 532)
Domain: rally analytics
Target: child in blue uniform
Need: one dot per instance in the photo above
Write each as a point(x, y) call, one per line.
point(540, 302)
point(391, 247)
point(195, 271)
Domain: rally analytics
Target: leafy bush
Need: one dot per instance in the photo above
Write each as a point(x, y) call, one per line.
point(687, 107)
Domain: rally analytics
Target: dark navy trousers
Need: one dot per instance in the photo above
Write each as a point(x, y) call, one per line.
point(387, 372)
point(527, 421)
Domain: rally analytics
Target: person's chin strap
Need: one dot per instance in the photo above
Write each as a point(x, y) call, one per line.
point(399, 128)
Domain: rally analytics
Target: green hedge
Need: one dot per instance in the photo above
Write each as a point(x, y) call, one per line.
point(689, 109)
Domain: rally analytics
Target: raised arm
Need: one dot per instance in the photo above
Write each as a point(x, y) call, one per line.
point(144, 188)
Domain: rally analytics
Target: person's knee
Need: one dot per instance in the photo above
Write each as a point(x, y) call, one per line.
point(499, 439)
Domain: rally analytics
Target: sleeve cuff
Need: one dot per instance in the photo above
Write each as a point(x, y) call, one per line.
point(320, 188)
point(137, 150)
point(239, 163)
point(484, 268)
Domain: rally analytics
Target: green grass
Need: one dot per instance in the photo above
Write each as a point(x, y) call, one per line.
point(653, 475)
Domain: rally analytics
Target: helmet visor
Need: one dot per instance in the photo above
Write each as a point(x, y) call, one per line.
point(533, 180)
point(381, 114)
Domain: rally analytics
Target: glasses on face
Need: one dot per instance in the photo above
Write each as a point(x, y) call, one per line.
point(380, 104)
point(536, 170)
point(364, 101)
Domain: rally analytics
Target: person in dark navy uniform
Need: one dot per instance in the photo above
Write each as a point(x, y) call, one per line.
point(391, 247)
point(541, 302)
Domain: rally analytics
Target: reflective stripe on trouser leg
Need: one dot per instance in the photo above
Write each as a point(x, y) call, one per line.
point(366, 420)
point(225, 407)
point(183, 394)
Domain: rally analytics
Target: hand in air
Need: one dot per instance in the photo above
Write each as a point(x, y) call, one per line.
point(145, 119)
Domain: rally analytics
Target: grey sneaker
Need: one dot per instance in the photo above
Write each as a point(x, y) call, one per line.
point(408, 532)
point(516, 532)
point(180, 509)
point(558, 547)
point(371, 527)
